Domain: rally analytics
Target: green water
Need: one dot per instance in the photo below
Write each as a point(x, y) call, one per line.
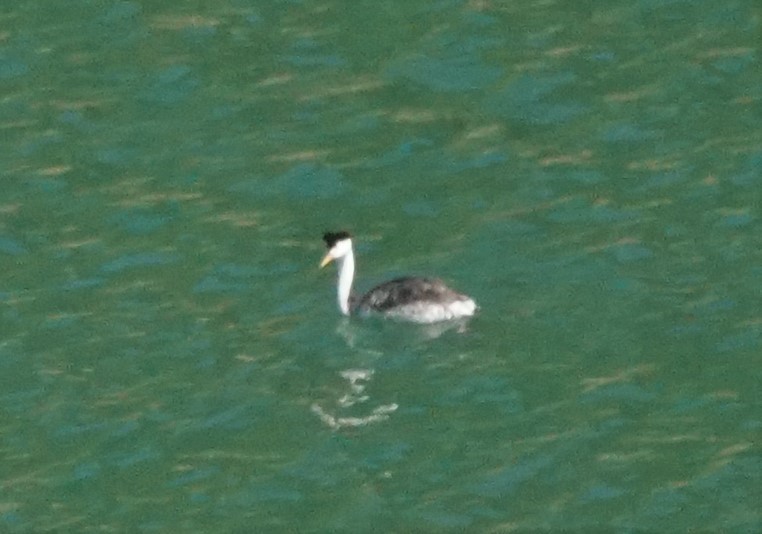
point(172, 360)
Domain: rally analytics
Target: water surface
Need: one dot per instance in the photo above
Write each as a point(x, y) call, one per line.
point(171, 358)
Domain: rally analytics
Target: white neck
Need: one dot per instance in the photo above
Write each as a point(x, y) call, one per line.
point(346, 274)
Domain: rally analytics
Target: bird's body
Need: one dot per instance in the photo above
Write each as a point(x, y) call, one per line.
point(415, 299)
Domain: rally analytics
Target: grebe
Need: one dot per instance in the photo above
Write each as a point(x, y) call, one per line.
point(414, 299)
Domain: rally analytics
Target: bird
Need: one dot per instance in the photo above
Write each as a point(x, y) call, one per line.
point(410, 298)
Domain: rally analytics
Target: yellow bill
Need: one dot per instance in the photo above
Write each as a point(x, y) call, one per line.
point(326, 260)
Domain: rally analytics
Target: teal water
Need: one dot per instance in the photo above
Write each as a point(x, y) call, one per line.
point(172, 360)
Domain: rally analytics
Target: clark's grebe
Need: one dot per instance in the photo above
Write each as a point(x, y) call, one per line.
point(419, 300)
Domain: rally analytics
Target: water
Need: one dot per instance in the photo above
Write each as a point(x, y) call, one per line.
point(171, 358)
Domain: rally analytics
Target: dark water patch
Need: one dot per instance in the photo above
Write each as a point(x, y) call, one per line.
point(736, 220)
point(525, 99)
point(194, 476)
point(82, 283)
point(315, 60)
point(688, 404)
point(607, 426)
point(421, 208)
point(687, 330)
point(676, 230)
point(600, 492)
point(87, 470)
point(507, 480)
point(751, 425)
point(235, 278)
point(584, 176)
point(572, 270)
point(440, 517)
point(714, 306)
point(625, 132)
point(547, 114)
point(37, 144)
point(735, 64)
point(12, 519)
point(750, 338)
point(452, 61)
point(275, 491)
point(138, 260)
point(302, 181)
point(171, 86)
point(751, 173)
point(581, 210)
point(724, 495)
point(117, 156)
point(435, 163)
point(664, 179)
point(124, 428)
point(667, 502)
point(511, 229)
point(78, 120)
point(359, 124)
point(119, 25)
point(322, 464)
point(11, 247)
point(131, 458)
point(60, 321)
point(12, 67)
point(628, 393)
point(454, 74)
point(480, 161)
point(485, 391)
point(225, 111)
point(603, 56)
point(730, 476)
point(398, 153)
point(234, 418)
point(308, 52)
point(73, 430)
point(630, 252)
point(20, 400)
point(198, 497)
point(47, 185)
point(11, 355)
point(200, 35)
point(140, 222)
point(481, 20)
point(625, 285)
point(121, 12)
